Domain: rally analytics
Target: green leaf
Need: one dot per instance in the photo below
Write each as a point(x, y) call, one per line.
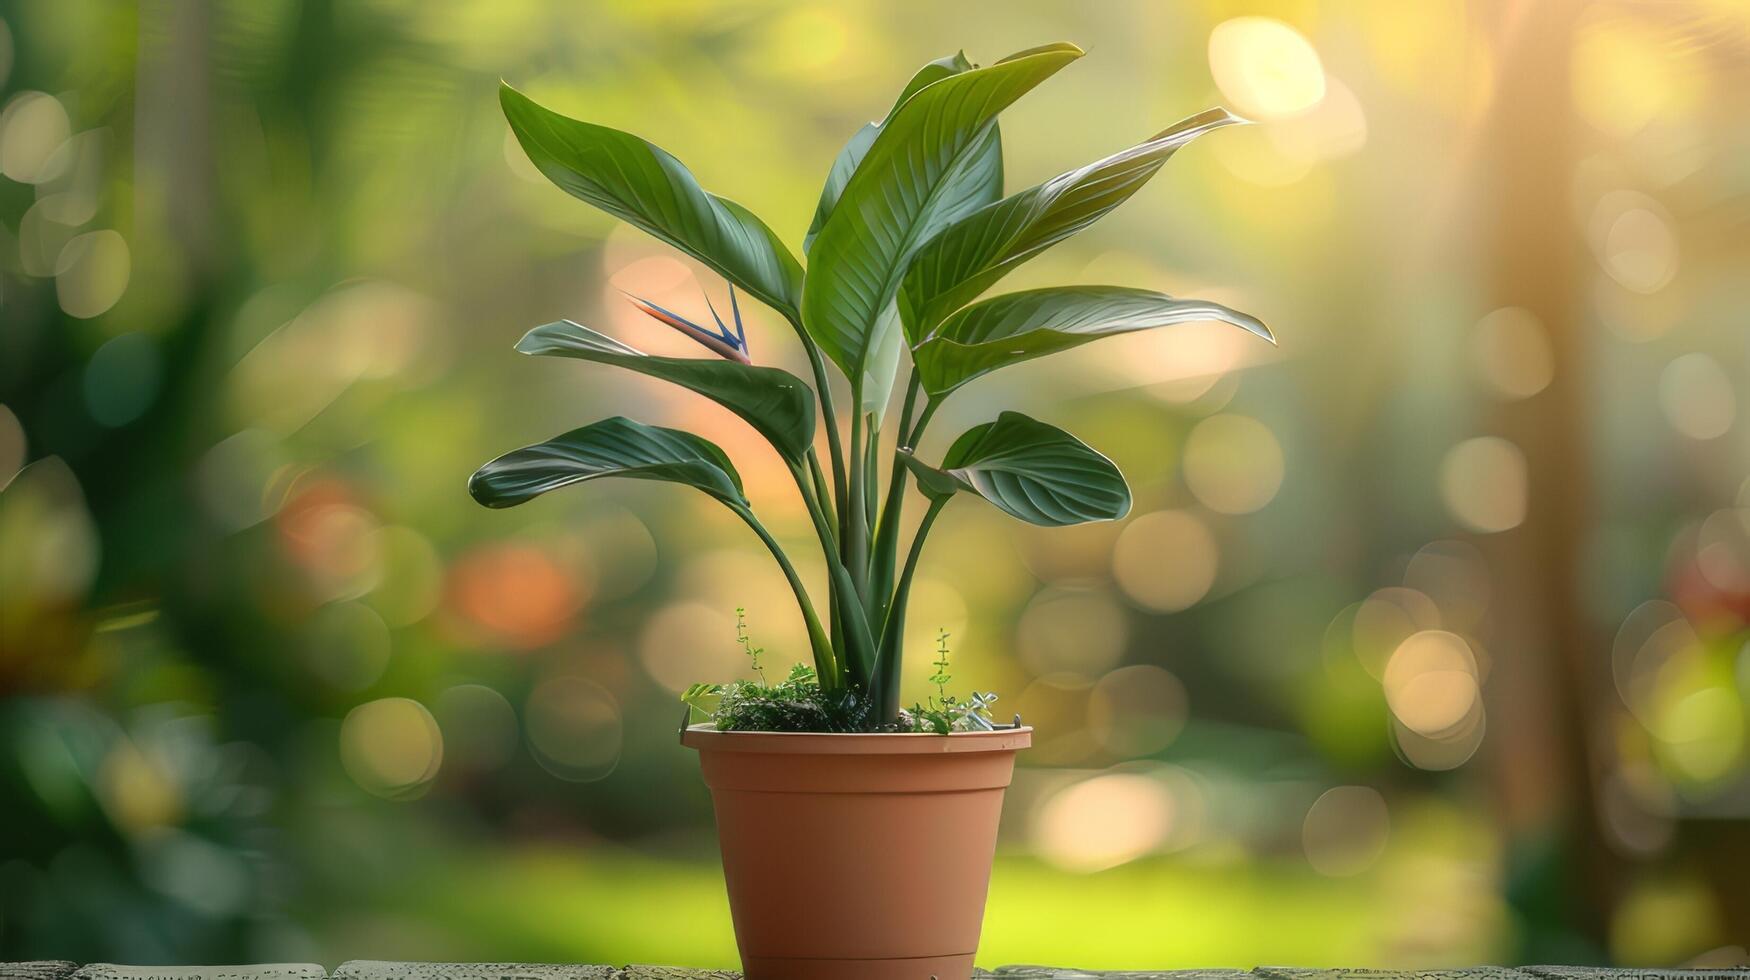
point(775, 402)
point(932, 482)
point(881, 366)
point(614, 446)
point(1030, 470)
point(697, 693)
point(641, 183)
point(974, 252)
point(1016, 327)
point(979, 177)
point(858, 146)
point(912, 183)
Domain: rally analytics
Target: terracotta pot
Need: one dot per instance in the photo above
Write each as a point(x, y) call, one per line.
point(857, 857)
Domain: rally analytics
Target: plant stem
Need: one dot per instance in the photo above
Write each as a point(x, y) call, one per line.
point(836, 627)
point(887, 662)
point(828, 417)
point(817, 514)
point(912, 387)
point(825, 658)
point(822, 495)
point(856, 519)
point(881, 562)
point(931, 403)
point(849, 633)
point(871, 471)
point(831, 526)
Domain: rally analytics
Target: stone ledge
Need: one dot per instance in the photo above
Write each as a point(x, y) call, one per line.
point(37, 970)
point(1462, 973)
point(262, 971)
point(387, 970)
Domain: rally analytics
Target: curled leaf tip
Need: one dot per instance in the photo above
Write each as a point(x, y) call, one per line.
point(1055, 47)
point(481, 491)
point(1258, 328)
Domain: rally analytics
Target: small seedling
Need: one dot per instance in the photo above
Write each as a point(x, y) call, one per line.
point(941, 677)
point(747, 647)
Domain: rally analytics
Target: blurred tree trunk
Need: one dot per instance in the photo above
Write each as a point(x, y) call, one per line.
point(174, 165)
point(1562, 874)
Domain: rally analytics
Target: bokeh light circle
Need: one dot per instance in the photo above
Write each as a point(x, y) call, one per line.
point(1431, 682)
point(1453, 575)
point(479, 726)
point(1265, 68)
point(688, 642)
point(1136, 711)
point(1165, 561)
point(1233, 464)
point(391, 747)
point(413, 576)
point(1441, 754)
point(92, 272)
point(1510, 352)
point(348, 646)
point(1634, 240)
point(1701, 730)
point(1722, 551)
point(33, 125)
point(1696, 396)
point(1483, 482)
point(1056, 705)
point(1345, 830)
point(1654, 636)
point(1103, 822)
point(574, 728)
point(520, 595)
point(1076, 631)
point(1333, 129)
point(1384, 620)
point(14, 446)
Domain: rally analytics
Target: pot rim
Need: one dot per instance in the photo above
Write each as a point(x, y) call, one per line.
point(704, 737)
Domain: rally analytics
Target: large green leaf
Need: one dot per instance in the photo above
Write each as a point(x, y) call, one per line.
point(1031, 470)
point(641, 183)
point(908, 187)
point(614, 446)
point(974, 252)
point(858, 146)
point(978, 180)
point(775, 402)
point(1015, 327)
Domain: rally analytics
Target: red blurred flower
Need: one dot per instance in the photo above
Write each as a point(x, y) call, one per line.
point(517, 594)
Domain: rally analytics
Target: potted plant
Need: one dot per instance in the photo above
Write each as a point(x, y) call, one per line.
point(857, 837)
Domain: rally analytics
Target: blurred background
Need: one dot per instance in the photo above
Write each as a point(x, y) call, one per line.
point(1425, 644)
